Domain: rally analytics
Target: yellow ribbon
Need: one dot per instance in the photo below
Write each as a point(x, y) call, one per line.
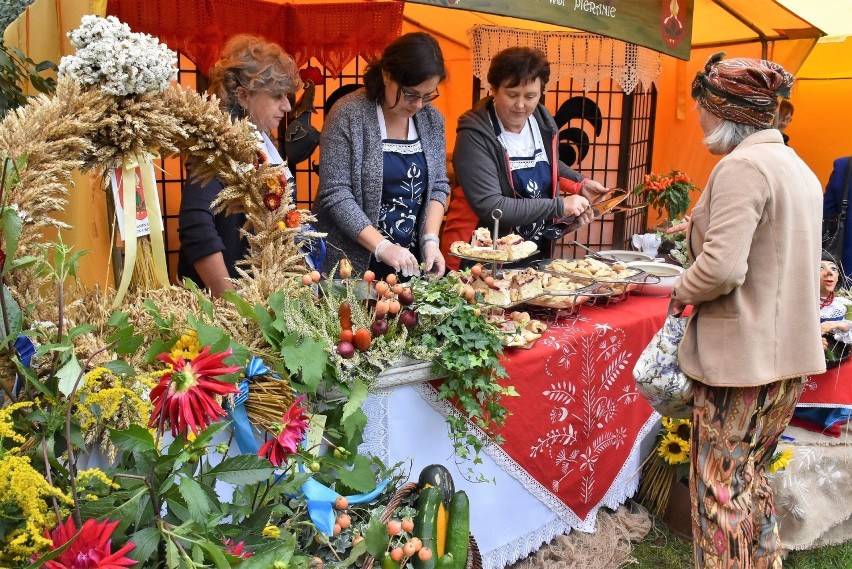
point(130, 163)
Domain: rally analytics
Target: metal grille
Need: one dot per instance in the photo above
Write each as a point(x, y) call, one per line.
point(606, 135)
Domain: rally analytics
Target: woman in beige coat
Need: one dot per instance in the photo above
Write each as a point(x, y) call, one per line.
point(753, 332)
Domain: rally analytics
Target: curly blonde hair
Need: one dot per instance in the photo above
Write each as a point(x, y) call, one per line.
point(254, 64)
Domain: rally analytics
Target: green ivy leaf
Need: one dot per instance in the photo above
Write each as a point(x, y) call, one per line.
point(306, 360)
point(357, 396)
point(360, 477)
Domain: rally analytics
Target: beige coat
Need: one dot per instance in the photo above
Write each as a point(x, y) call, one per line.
point(754, 283)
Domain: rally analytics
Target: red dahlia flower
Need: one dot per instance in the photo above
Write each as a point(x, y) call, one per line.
point(90, 550)
point(290, 433)
point(186, 396)
point(236, 549)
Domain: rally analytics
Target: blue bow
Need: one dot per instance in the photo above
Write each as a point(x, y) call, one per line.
point(320, 498)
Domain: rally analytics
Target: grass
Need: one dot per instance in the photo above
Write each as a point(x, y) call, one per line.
point(662, 549)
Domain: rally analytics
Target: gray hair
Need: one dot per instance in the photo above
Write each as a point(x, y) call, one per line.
point(728, 136)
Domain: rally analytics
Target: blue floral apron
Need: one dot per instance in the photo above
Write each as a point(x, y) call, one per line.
point(532, 177)
point(405, 180)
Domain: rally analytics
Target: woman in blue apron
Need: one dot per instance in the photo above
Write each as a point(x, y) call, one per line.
point(505, 158)
point(383, 172)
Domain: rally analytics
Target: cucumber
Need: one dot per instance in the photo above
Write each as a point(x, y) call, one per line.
point(438, 476)
point(388, 562)
point(426, 524)
point(446, 562)
point(458, 529)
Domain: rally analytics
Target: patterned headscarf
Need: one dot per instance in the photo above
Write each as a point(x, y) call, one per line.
point(742, 90)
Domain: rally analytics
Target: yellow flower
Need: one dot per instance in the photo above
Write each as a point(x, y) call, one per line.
point(780, 460)
point(7, 429)
point(25, 491)
point(673, 449)
point(95, 475)
point(680, 427)
point(272, 532)
point(187, 346)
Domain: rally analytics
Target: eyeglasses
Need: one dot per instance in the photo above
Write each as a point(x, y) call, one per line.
point(414, 97)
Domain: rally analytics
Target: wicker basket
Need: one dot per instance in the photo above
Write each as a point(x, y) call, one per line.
point(474, 558)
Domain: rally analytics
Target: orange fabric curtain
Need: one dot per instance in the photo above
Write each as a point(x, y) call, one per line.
point(333, 33)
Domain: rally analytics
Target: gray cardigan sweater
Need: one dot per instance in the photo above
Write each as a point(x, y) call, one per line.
point(351, 174)
point(482, 168)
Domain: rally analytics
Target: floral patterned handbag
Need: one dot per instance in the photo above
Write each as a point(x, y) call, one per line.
point(658, 375)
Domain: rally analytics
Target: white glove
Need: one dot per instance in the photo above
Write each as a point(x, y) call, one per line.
point(400, 258)
point(433, 259)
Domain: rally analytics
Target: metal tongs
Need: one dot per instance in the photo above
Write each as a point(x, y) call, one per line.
point(609, 202)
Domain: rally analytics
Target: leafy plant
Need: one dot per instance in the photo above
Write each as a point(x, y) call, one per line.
point(11, 9)
point(16, 71)
point(666, 192)
point(466, 352)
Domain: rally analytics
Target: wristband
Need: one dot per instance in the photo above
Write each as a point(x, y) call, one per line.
point(383, 244)
point(430, 238)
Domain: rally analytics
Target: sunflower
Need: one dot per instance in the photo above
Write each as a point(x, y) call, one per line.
point(780, 460)
point(680, 427)
point(92, 548)
point(673, 449)
point(186, 395)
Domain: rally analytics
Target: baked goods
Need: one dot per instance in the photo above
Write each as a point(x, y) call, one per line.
point(592, 268)
point(481, 247)
point(497, 293)
point(524, 285)
point(517, 329)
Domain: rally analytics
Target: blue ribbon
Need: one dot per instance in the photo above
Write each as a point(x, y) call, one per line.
point(320, 498)
point(26, 350)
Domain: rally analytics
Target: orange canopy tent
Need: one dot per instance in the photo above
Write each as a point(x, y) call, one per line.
point(756, 28)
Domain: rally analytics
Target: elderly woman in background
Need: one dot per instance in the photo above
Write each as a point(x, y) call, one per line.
point(383, 172)
point(753, 333)
point(252, 80)
point(505, 158)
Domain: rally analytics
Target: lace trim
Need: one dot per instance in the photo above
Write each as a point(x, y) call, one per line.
point(376, 432)
point(517, 164)
point(413, 147)
point(586, 58)
point(625, 485)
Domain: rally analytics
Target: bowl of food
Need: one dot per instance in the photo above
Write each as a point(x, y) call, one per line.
point(665, 272)
point(626, 256)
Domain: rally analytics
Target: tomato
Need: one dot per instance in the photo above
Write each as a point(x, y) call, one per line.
point(476, 270)
point(315, 276)
point(489, 280)
point(417, 543)
point(344, 521)
point(409, 549)
point(369, 276)
point(394, 307)
point(345, 336)
point(362, 339)
point(337, 529)
point(396, 553)
point(307, 280)
point(408, 524)
point(391, 278)
point(314, 466)
point(341, 503)
point(425, 554)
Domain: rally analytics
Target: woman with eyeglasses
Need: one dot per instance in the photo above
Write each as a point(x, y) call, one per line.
point(505, 158)
point(383, 172)
point(836, 331)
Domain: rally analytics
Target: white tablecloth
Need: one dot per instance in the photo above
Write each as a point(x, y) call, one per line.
point(508, 519)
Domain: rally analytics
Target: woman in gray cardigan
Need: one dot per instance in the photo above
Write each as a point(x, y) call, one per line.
point(383, 172)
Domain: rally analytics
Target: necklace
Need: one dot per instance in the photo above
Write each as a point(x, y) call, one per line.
point(823, 302)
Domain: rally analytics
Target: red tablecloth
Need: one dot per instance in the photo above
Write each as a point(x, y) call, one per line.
point(832, 388)
point(579, 415)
